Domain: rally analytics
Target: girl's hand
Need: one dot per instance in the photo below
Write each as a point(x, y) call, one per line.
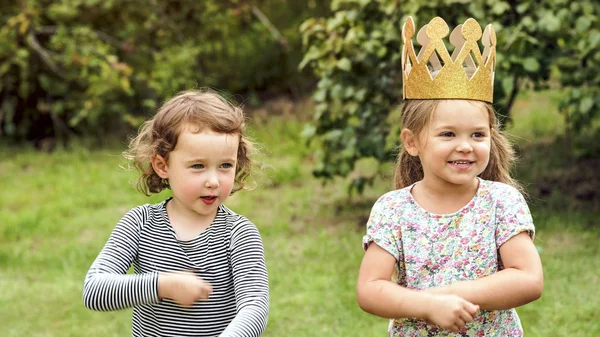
point(184, 288)
point(451, 312)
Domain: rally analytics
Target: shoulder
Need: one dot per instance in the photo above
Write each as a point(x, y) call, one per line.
point(143, 214)
point(506, 199)
point(395, 197)
point(238, 224)
point(501, 191)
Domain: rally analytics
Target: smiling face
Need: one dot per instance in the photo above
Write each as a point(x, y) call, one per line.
point(201, 171)
point(454, 147)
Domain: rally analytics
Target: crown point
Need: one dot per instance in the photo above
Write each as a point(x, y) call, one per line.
point(471, 30)
point(437, 28)
point(466, 74)
point(492, 35)
point(408, 30)
point(456, 37)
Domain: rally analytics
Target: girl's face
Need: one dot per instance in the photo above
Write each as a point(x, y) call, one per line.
point(454, 148)
point(201, 171)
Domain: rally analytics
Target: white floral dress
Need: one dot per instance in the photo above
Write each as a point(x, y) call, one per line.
point(440, 249)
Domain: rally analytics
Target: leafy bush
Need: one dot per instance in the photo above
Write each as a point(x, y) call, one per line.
point(88, 66)
point(356, 54)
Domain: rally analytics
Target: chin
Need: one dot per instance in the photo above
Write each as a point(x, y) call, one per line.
point(462, 180)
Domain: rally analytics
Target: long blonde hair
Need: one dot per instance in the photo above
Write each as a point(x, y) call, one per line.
point(200, 109)
point(415, 116)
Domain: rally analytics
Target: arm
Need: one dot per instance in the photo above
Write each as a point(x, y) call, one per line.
point(377, 295)
point(250, 282)
point(519, 283)
point(107, 286)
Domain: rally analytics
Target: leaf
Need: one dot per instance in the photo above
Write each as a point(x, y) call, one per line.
point(586, 104)
point(306, 24)
point(521, 8)
point(531, 65)
point(500, 7)
point(309, 131)
point(125, 85)
point(24, 27)
point(320, 95)
point(313, 53)
point(344, 64)
point(507, 84)
point(549, 22)
point(582, 24)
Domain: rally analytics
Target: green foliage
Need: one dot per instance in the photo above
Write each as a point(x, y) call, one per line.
point(88, 66)
point(59, 209)
point(356, 54)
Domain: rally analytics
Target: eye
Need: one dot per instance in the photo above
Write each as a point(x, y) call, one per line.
point(478, 134)
point(226, 165)
point(447, 134)
point(197, 166)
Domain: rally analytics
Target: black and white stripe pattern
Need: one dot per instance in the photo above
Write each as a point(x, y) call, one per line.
point(229, 255)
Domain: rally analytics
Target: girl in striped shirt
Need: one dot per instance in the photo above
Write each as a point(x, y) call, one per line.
point(199, 268)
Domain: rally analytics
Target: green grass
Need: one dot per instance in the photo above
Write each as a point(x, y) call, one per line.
point(57, 210)
point(536, 117)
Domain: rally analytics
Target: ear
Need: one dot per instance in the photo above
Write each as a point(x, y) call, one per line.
point(159, 164)
point(410, 142)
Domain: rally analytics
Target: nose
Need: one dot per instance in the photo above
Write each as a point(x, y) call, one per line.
point(212, 180)
point(464, 145)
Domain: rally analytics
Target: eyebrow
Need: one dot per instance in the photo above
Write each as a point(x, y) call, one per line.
point(452, 127)
point(196, 160)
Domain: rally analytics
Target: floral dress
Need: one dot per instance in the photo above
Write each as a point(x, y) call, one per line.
point(434, 250)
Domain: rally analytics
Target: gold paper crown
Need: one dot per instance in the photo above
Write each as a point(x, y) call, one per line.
point(434, 74)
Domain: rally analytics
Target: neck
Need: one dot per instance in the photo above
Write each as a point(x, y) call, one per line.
point(182, 216)
point(443, 197)
point(448, 190)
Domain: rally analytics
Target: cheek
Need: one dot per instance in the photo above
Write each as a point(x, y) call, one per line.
point(484, 149)
point(227, 181)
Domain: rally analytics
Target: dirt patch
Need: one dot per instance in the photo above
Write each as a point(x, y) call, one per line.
point(553, 178)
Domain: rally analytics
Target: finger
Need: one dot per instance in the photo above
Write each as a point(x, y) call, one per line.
point(466, 316)
point(472, 308)
point(187, 304)
point(207, 287)
point(453, 328)
point(206, 291)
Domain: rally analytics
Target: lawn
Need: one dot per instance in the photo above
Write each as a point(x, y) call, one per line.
point(57, 210)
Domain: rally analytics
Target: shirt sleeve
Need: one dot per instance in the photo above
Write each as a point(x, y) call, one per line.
point(250, 281)
point(383, 228)
point(107, 285)
point(512, 216)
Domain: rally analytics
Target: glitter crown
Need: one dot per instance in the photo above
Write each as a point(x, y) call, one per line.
point(434, 74)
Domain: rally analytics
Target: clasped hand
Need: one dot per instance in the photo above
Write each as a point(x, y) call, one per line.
point(184, 288)
point(450, 312)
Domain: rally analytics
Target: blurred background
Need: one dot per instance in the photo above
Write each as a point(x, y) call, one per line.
point(321, 84)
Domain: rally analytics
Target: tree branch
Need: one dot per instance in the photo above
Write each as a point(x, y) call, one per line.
point(274, 32)
point(33, 43)
point(48, 30)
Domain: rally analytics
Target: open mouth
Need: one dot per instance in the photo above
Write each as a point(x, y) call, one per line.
point(209, 199)
point(461, 162)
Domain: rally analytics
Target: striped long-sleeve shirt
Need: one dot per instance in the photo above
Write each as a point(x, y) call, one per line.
point(229, 255)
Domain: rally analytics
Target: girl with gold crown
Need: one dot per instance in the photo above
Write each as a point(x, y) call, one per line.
point(450, 252)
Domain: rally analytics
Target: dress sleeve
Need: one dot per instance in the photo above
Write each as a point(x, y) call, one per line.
point(107, 285)
point(383, 228)
point(250, 281)
point(512, 216)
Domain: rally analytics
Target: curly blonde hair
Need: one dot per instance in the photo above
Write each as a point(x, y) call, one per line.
point(201, 109)
point(415, 116)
